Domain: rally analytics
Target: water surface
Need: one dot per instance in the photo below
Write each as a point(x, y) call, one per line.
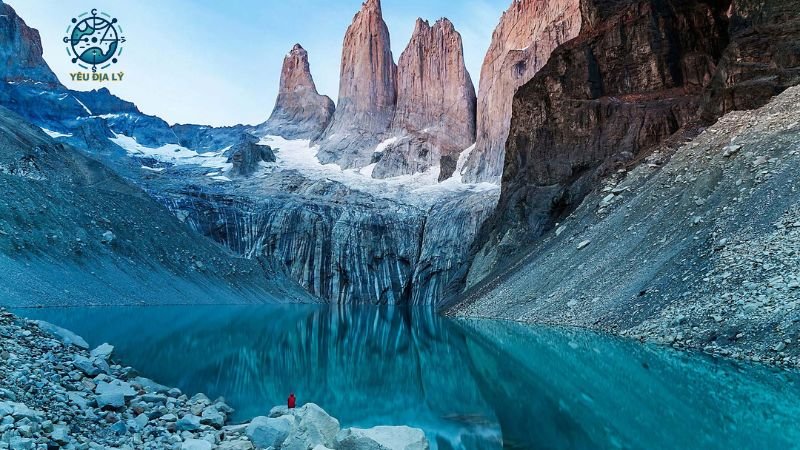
point(468, 383)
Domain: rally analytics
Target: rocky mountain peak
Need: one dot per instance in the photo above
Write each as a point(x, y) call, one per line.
point(300, 111)
point(435, 115)
point(521, 44)
point(367, 91)
point(295, 72)
point(21, 50)
point(372, 5)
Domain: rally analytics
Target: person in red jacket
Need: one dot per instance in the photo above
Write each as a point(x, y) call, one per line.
point(292, 400)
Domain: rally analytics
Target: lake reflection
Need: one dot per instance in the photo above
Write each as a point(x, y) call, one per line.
point(467, 383)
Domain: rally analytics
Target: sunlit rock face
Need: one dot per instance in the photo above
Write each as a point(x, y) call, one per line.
point(435, 115)
point(602, 103)
point(367, 92)
point(601, 99)
point(521, 44)
point(300, 111)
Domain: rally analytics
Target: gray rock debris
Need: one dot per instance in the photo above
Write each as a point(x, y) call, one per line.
point(113, 408)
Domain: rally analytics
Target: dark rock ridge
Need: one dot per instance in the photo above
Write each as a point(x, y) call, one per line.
point(521, 44)
point(300, 111)
point(247, 154)
point(615, 214)
point(762, 59)
point(367, 92)
point(435, 114)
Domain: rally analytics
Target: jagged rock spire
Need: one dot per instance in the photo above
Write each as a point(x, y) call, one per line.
point(367, 91)
point(300, 111)
point(435, 114)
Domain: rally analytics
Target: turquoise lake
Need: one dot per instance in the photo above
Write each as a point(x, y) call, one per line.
point(474, 384)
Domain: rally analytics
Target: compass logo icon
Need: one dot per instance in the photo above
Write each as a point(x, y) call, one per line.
point(94, 39)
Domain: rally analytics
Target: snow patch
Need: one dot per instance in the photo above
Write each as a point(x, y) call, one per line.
point(462, 161)
point(112, 116)
point(55, 134)
point(173, 153)
point(419, 188)
point(88, 111)
point(383, 145)
point(367, 171)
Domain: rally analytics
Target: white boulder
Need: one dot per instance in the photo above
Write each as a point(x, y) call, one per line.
point(266, 432)
point(382, 438)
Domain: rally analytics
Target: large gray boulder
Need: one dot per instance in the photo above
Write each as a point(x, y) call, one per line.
point(266, 432)
point(151, 386)
point(103, 351)
point(115, 387)
point(382, 438)
point(212, 416)
point(196, 444)
point(85, 365)
point(110, 401)
point(65, 336)
point(113, 395)
point(189, 422)
point(238, 444)
point(313, 426)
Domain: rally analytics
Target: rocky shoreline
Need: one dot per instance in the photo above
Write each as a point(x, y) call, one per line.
point(56, 393)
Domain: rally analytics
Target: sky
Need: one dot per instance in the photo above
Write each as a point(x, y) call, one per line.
point(218, 63)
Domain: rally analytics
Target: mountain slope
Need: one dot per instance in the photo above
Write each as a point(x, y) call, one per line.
point(72, 232)
point(695, 247)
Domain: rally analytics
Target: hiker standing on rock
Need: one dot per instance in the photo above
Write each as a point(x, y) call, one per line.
point(292, 400)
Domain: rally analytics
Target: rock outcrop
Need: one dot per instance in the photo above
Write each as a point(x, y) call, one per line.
point(588, 119)
point(300, 111)
point(521, 44)
point(343, 245)
point(246, 155)
point(762, 59)
point(21, 50)
point(367, 92)
point(435, 114)
point(382, 437)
